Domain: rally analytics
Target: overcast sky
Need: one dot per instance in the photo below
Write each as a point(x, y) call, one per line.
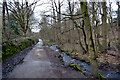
point(46, 7)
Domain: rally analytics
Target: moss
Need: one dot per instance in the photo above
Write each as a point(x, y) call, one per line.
point(44, 42)
point(66, 51)
point(11, 49)
point(77, 67)
point(73, 56)
point(100, 77)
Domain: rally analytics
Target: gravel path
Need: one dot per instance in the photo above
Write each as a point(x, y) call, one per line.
point(42, 62)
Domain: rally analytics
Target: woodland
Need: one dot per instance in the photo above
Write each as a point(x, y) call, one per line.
point(87, 31)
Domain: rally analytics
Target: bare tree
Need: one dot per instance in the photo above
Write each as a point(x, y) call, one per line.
point(91, 46)
point(22, 13)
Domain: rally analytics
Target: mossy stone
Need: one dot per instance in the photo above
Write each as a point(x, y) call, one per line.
point(77, 67)
point(100, 77)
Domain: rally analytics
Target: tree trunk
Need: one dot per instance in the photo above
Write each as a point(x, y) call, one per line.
point(8, 21)
point(111, 27)
point(118, 14)
point(83, 30)
point(119, 27)
point(76, 25)
point(104, 23)
point(91, 49)
point(94, 25)
point(84, 51)
point(3, 22)
point(59, 22)
point(54, 17)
